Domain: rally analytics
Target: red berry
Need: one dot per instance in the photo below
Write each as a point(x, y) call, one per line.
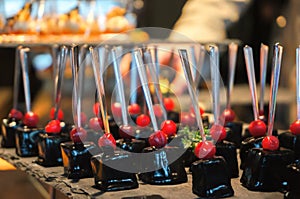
point(270, 143)
point(16, 114)
point(218, 132)
point(295, 127)
point(78, 134)
point(169, 128)
point(134, 109)
point(116, 110)
point(205, 150)
point(228, 115)
point(257, 128)
point(31, 119)
point(60, 115)
point(143, 120)
point(169, 103)
point(83, 119)
point(107, 140)
point(158, 139)
point(187, 119)
point(96, 124)
point(53, 127)
point(126, 131)
point(96, 109)
point(157, 110)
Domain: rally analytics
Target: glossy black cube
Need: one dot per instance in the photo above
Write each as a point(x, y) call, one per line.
point(290, 141)
point(163, 166)
point(293, 178)
point(9, 126)
point(131, 145)
point(76, 159)
point(228, 151)
point(266, 170)
point(211, 178)
point(26, 141)
point(235, 135)
point(49, 152)
point(108, 176)
point(246, 145)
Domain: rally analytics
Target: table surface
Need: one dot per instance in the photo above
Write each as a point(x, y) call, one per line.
point(83, 188)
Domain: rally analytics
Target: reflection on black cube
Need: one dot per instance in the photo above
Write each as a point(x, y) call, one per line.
point(246, 145)
point(108, 175)
point(266, 170)
point(211, 178)
point(49, 153)
point(163, 166)
point(235, 135)
point(26, 141)
point(228, 151)
point(290, 141)
point(293, 181)
point(9, 126)
point(76, 159)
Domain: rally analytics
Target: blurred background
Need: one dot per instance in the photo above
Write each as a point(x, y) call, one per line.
point(260, 21)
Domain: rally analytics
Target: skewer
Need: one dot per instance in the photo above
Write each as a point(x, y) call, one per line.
point(144, 81)
point(264, 49)
point(277, 58)
point(58, 80)
point(233, 48)
point(98, 56)
point(155, 80)
point(120, 86)
point(188, 76)
point(251, 78)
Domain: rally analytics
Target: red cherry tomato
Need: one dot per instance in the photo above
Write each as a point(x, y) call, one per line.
point(187, 119)
point(60, 115)
point(157, 110)
point(107, 140)
point(96, 124)
point(16, 114)
point(295, 127)
point(158, 139)
point(53, 127)
point(116, 109)
point(205, 150)
point(78, 134)
point(31, 119)
point(257, 128)
point(143, 120)
point(270, 143)
point(228, 115)
point(126, 131)
point(218, 132)
point(134, 109)
point(169, 127)
point(169, 104)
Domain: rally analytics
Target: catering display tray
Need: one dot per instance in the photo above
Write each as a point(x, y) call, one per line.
point(84, 188)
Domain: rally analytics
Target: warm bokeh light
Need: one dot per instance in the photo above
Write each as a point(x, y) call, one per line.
point(281, 21)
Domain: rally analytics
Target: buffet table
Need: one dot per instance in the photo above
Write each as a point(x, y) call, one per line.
point(84, 188)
